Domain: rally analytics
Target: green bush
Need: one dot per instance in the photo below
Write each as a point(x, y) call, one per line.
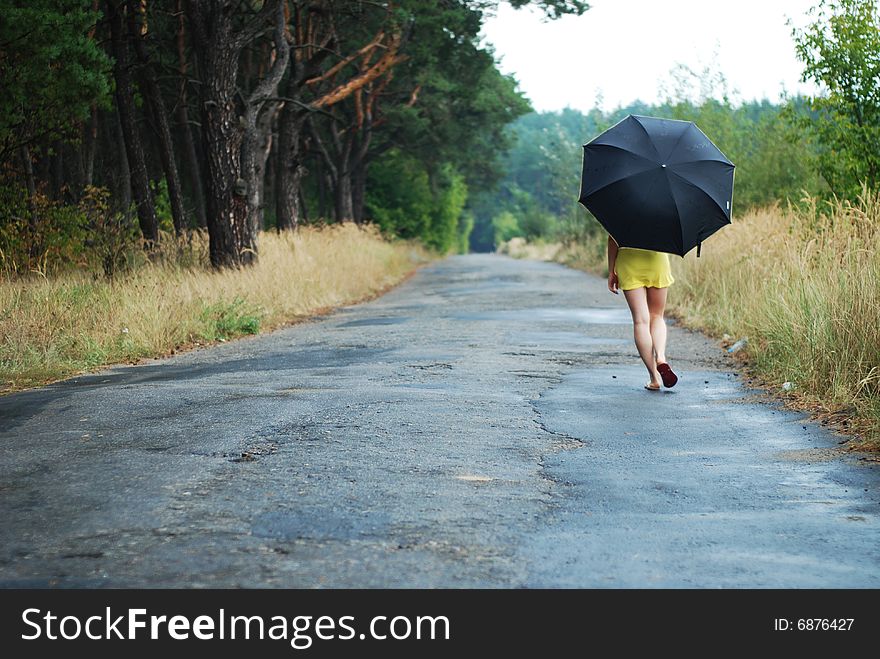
point(45, 236)
point(505, 227)
point(37, 234)
point(228, 319)
point(407, 202)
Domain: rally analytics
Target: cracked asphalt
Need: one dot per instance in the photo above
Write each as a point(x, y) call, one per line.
point(481, 425)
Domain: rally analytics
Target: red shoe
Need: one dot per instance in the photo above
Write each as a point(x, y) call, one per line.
point(669, 378)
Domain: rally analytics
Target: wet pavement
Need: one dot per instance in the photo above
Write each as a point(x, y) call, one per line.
point(482, 425)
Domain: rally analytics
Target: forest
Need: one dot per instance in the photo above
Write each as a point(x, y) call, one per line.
point(126, 124)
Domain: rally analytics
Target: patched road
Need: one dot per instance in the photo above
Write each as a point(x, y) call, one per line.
point(482, 425)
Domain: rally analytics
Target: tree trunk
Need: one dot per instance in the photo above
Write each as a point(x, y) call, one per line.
point(193, 162)
point(33, 248)
point(150, 89)
point(74, 173)
point(342, 197)
point(290, 168)
point(289, 159)
point(358, 185)
point(259, 115)
point(218, 46)
point(57, 171)
point(255, 154)
point(90, 135)
point(125, 103)
point(338, 170)
point(323, 186)
point(28, 166)
point(43, 171)
point(90, 143)
point(122, 173)
point(226, 203)
point(268, 139)
point(303, 207)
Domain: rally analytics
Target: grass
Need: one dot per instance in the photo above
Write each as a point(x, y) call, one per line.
point(56, 327)
point(803, 284)
point(520, 248)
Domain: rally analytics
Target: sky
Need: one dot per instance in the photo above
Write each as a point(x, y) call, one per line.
point(625, 50)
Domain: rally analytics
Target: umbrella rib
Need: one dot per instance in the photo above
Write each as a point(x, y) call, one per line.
point(629, 153)
point(680, 138)
point(692, 184)
point(687, 162)
point(648, 135)
point(677, 210)
point(620, 148)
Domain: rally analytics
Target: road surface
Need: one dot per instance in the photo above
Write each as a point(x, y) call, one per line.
point(482, 425)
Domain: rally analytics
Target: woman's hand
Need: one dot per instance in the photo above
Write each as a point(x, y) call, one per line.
point(612, 282)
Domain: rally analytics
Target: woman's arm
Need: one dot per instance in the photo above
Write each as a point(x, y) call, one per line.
point(612, 260)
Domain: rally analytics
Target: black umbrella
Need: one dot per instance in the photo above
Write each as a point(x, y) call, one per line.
point(657, 184)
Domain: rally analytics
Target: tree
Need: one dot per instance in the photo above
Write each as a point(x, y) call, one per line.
point(190, 151)
point(445, 105)
point(220, 32)
point(138, 30)
point(259, 110)
point(841, 51)
point(140, 182)
point(352, 101)
point(51, 71)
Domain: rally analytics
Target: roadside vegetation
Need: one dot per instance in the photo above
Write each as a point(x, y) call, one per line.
point(53, 327)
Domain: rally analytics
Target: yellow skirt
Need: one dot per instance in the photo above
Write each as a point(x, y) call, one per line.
point(636, 268)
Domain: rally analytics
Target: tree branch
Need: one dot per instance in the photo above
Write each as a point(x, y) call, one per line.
point(269, 85)
point(336, 68)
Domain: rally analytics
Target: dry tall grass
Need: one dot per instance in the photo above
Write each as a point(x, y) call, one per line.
point(803, 284)
point(519, 248)
point(52, 328)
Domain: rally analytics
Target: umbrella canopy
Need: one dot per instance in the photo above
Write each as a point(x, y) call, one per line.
point(657, 184)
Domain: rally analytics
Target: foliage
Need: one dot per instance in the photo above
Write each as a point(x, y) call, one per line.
point(51, 71)
point(113, 236)
point(36, 234)
point(448, 208)
point(552, 8)
point(452, 104)
point(505, 227)
point(430, 210)
point(841, 51)
point(162, 203)
point(401, 210)
point(773, 161)
point(463, 234)
point(41, 235)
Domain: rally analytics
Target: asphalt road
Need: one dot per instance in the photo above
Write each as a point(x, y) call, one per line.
point(482, 425)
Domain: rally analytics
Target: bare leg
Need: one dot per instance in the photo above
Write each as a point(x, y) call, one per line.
point(656, 305)
point(637, 300)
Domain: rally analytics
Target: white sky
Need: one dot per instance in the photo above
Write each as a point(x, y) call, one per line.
point(625, 50)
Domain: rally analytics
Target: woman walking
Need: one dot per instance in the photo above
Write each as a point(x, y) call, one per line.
point(644, 277)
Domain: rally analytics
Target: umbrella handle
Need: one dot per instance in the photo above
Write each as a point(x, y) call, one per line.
point(699, 245)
